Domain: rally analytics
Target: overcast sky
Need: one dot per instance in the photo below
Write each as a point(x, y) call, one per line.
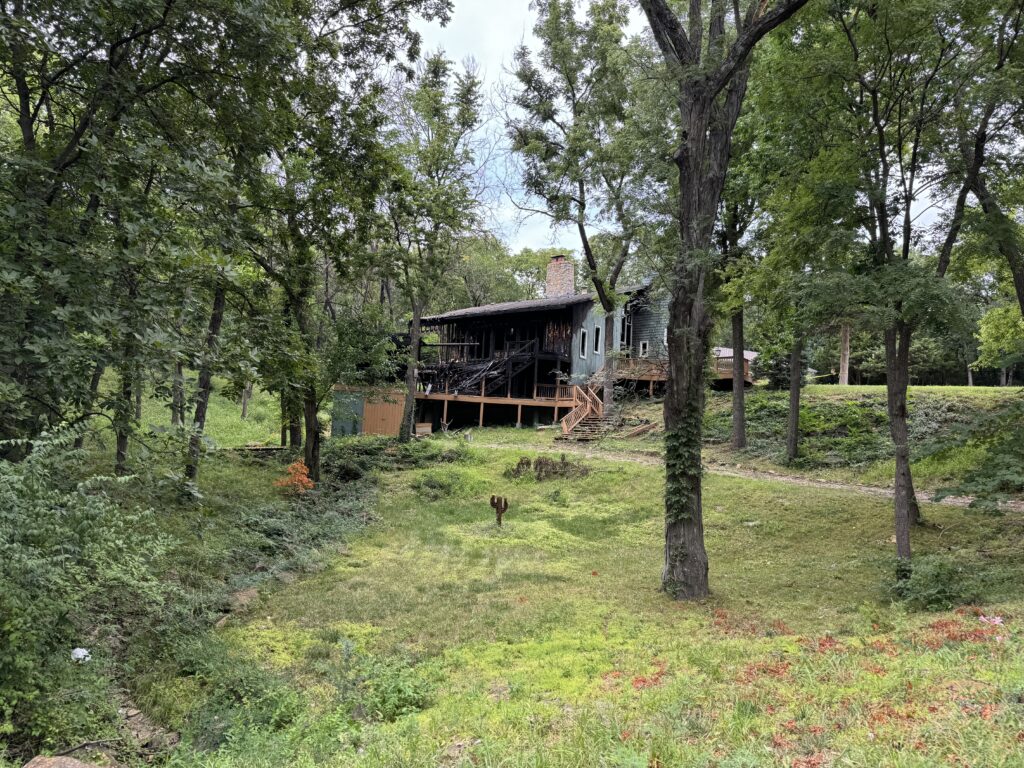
point(488, 31)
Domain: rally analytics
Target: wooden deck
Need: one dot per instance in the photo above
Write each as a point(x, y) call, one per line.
point(561, 397)
point(652, 369)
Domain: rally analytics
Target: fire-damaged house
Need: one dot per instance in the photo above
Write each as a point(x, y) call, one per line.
point(539, 360)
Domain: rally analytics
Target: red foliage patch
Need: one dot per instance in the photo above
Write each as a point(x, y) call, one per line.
point(774, 669)
point(779, 627)
point(823, 644)
point(731, 625)
point(781, 742)
point(945, 631)
point(888, 647)
point(969, 610)
point(884, 713)
point(817, 760)
point(297, 480)
point(875, 669)
point(640, 682)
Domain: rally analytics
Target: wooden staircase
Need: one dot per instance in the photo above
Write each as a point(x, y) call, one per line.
point(588, 420)
point(591, 428)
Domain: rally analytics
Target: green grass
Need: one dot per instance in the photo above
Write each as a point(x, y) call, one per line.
point(224, 425)
point(547, 643)
point(844, 432)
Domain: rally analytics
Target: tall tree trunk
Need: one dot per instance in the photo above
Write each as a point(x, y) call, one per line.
point(178, 395)
point(739, 382)
point(310, 410)
point(246, 394)
point(1002, 377)
point(205, 385)
point(795, 382)
point(408, 428)
point(295, 418)
point(123, 419)
point(138, 385)
point(284, 421)
point(844, 355)
point(685, 572)
point(970, 376)
point(94, 388)
point(709, 98)
point(897, 378)
point(1004, 230)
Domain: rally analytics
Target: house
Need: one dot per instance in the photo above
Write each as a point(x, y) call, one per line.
point(539, 360)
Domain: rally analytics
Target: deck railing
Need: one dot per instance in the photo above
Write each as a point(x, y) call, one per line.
point(587, 404)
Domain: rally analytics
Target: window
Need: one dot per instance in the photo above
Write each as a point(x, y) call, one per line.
point(583, 342)
point(597, 339)
point(643, 348)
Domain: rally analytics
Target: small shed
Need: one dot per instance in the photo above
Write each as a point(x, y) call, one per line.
point(359, 411)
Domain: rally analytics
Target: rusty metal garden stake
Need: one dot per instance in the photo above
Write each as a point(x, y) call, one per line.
point(500, 504)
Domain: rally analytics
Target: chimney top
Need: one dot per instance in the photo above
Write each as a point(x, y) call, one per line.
point(561, 277)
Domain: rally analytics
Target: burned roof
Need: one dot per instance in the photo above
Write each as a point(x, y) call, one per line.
point(511, 307)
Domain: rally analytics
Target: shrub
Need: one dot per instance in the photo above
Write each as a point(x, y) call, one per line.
point(391, 688)
point(296, 481)
point(346, 459)
point(545, 468)
point(73, 565)
point(937, 583)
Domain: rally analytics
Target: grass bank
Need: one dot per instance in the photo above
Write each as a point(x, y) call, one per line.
point(546, 642)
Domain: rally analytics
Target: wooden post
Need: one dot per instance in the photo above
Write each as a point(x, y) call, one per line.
point(556, 407)
point(650, 388)
point(519, 416)
point(481, 413)
point(444, 411)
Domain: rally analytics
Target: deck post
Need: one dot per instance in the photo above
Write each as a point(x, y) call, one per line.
point(444, 410)
point(650, 388)
point(519, 416)
point(556, 407)
point(481, 413)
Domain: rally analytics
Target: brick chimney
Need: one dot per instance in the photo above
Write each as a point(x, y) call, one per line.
point(561, 279)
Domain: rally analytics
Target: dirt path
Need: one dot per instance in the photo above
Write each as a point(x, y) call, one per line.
point(725, 470)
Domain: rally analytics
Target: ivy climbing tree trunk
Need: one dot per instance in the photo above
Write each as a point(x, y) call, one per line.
point(739, 382)
point(711, 82)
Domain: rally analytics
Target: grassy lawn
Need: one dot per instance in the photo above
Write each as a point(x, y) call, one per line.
point(844, 432)
point(547, 643)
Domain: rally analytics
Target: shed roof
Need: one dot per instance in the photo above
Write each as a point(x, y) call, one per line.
point(511, 307)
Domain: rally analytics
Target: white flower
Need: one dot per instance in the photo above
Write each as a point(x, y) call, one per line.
point(994, 620)
point(81, 655)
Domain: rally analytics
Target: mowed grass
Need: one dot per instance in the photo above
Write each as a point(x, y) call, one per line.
point(844, 432)
point(547, 643)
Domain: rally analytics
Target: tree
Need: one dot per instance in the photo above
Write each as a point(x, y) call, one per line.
point(431, 203)
point(576, 122)
point(710, 77)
